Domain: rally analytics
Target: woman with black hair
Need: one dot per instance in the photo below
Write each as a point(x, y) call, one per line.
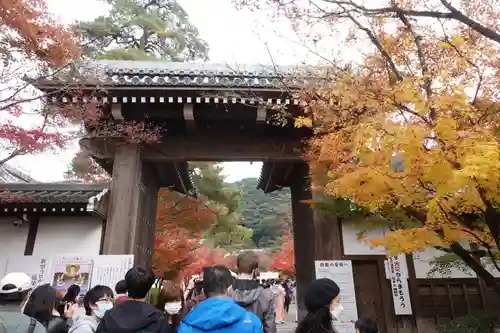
point(75, 300)
point(72, 294)
point(366, 325)
point(323, 306)
point(42, 305)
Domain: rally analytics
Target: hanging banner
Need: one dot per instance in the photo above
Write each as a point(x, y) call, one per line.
point(402, 265)
point(399, 286)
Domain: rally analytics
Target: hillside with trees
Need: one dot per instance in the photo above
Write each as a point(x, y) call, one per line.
point(268, 215)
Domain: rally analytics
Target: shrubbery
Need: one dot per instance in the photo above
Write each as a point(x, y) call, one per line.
point(471, 323)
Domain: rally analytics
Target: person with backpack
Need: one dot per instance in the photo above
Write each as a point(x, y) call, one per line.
point(14, 290)
point(250, 295)
point(43, 304)
point(219, 313)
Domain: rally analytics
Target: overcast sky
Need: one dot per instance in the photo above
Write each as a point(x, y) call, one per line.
point(233, 36)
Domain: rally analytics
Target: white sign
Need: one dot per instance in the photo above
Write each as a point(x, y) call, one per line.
point(340, 271)
point(35, 267)
point(344, 327)
point(403, 265)
point(110, 269)
point(63, 271)
point(399, 286)
point(69, 270)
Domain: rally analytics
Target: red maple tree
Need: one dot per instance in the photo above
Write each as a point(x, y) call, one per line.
point(204, 257)
point(32, 41)
point(180, 222)
point(284, 259)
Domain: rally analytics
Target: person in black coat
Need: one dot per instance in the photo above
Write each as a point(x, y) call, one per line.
point(42, 305)
point(323, 306)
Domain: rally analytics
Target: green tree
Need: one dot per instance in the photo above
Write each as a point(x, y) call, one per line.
point(268, 214)
point(227, 231)
point(143, 30)
point(136, 30)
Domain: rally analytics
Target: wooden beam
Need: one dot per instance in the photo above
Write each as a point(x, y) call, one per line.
point(204, 148)
point(34, 221)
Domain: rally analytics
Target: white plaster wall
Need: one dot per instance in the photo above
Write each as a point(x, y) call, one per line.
point(490, 267)
point(68, 235)
point(12, 240)
point(422, 262)
point(354, 246)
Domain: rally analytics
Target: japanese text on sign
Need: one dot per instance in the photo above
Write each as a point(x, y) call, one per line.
point(399, 285)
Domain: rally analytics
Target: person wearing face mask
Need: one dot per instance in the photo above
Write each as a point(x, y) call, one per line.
point(323, 307)
point(97, 301)
point(170, 300)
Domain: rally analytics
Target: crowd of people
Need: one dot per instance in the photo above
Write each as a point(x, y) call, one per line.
point(217, 302)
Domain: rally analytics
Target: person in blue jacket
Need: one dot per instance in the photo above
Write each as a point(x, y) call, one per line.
point(219, 313)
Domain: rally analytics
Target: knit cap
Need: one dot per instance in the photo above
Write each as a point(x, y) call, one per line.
point(320, 294)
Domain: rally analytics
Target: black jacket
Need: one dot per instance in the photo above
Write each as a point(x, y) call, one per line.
point(133, 317)
point(57, 325)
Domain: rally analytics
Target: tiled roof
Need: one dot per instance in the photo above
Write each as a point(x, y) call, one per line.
point(202, 75)
point(9, 174)
point(50, 192)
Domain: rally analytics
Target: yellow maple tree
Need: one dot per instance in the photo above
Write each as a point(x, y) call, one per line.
point(412, 127)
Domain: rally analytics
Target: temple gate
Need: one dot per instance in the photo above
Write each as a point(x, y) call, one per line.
point(207, 113)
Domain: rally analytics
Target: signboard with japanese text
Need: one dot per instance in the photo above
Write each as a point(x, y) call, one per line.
point(63, 271)
point(341, 272)
point(35, 267)
point(402, 264)
point(110, 269)
point(399, 287)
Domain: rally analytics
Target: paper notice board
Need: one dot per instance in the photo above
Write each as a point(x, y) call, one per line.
point(341, 272)
point(63, 271)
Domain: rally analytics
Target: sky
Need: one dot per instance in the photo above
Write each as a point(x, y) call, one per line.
point(234, 36)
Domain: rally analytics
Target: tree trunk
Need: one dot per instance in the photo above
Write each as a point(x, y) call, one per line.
point(492, 218)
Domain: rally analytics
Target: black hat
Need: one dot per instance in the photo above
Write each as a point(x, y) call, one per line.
point(320, 294)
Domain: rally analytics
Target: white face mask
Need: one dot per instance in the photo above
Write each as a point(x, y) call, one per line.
point(173, 308)
point(337, 310)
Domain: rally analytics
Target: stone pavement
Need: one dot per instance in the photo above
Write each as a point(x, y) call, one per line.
point(290, 324)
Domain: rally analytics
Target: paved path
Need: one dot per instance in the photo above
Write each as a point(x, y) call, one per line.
point(289, 326)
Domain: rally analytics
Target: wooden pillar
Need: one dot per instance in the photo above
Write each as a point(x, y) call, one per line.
point(303, 234)
point(131, 216)
point(328, 234)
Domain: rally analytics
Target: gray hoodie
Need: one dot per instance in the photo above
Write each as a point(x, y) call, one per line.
point(254, 298)
point(84, 324)
point(13, 321)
